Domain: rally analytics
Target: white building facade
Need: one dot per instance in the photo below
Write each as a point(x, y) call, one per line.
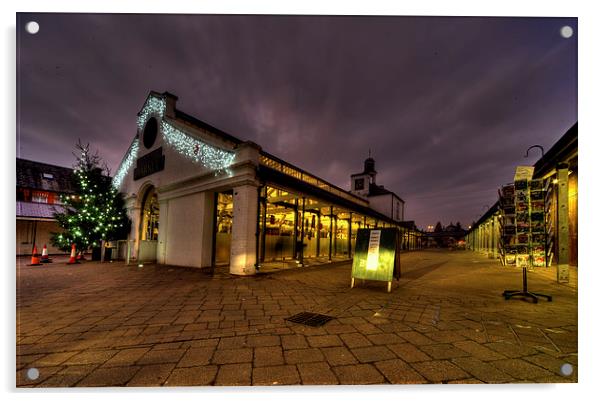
point(200, 197)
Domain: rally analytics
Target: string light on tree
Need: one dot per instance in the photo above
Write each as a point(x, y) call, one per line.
point(82, 221)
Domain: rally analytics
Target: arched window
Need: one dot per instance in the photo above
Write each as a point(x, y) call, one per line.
point(150, 216)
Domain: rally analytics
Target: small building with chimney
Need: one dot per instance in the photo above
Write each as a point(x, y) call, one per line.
point(39, 190)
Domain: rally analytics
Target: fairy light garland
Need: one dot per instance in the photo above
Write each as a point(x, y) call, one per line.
point(153, 106)
point(196, 150)
point(127, 162)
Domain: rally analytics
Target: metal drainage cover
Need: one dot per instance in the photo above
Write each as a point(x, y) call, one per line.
point(310, 319)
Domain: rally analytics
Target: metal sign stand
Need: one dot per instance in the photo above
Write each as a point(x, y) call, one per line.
point(525, 292)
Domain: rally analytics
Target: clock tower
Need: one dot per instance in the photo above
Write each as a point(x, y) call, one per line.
point(360, 183)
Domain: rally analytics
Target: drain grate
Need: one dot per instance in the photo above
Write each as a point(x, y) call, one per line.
point(310, 319)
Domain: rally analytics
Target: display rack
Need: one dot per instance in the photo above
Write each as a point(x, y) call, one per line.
point(524, 238)
point(537, 243)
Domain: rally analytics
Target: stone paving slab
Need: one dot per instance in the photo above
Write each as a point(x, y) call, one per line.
point(197, 376)
point(151, 375)
point(359, 374)
point(397, 371)
point(268, 356)
point(444, 322)
point(276, 375)
point(317, 373)
point(234, 375)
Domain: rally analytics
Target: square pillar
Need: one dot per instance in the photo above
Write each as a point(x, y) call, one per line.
point(490, 246)
point(244, 225)
point(563, 223)
point(134, 236)
point(162, 240)
point(207, 234)
point(330, 238)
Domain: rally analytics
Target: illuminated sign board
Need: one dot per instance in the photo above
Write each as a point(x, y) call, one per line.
point(524, 173)
point(376, 255)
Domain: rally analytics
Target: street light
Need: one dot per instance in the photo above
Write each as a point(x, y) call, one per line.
point(534, 146)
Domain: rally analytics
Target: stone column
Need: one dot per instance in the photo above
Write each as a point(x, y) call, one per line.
point(244, 225)
point(563, 223)
point(491, 226)
point(162, 240)
point(496, 232)
point(207, 237)
point(330, 237)
point(134, 237)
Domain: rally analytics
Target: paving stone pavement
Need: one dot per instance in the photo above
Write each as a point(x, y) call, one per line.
point(445, 321)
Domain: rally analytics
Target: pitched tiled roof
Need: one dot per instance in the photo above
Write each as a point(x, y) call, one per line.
point(30, 174)
point(37, 210)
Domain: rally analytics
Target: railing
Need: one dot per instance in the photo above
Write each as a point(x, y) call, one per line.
point(122, 250)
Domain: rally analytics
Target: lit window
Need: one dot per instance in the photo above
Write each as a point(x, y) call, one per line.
point(40, 197)
point(47, 176)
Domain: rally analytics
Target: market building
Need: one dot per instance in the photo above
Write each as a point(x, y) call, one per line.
point(200, 197)
point(39, 190)
point(559, 167)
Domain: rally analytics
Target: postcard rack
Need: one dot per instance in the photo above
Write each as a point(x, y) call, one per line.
point(523, 235)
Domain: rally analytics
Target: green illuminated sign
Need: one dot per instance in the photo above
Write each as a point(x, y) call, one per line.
point(375, 257)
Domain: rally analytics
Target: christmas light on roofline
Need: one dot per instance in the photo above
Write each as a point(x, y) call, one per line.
point(127, 162)
point(153, 106)
point(196, 150)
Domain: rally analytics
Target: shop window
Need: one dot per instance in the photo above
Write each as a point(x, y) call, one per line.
point(223, 238)
point(278, 215)
point(150, 217)
point(40, 197)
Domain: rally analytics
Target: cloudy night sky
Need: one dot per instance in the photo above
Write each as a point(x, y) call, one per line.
point(447, 105)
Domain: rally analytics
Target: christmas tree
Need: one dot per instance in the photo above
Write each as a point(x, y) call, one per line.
point(95, 211)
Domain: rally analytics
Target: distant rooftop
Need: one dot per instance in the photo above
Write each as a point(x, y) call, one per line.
point(37, 210)
point(43, 176)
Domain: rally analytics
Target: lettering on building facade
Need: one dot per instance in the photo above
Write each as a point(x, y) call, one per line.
point(149, 164)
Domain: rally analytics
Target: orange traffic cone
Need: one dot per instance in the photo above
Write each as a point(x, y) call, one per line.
point(80, 256)
point(72, 260)
point(45, 258)
point(35, 261)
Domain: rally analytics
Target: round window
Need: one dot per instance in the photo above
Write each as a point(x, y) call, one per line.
point(150, 132)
